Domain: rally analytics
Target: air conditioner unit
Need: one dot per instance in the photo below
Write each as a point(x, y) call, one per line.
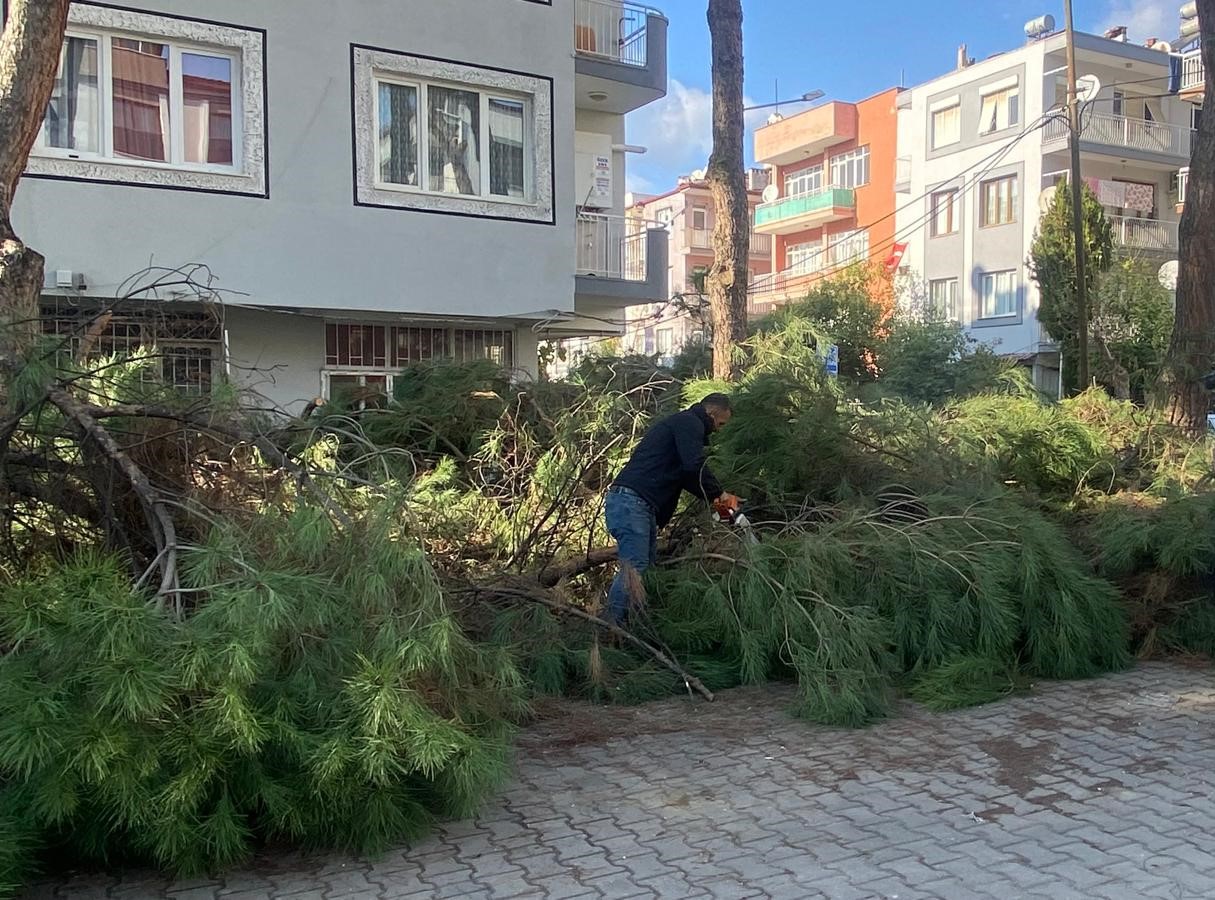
point(67, 280)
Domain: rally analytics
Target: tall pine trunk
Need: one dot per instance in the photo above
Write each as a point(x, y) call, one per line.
point(1192, 349)
point(29, 59)
point(727, 279)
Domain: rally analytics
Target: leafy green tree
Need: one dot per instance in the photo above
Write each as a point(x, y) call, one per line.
point(1052, 263)
point(1131, 323)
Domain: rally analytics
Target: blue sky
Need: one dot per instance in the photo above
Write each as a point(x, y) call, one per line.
point(847, 49)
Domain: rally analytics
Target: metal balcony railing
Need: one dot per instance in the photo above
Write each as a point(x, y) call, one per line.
point(612, 246)
point(702, 239)
point(1144, 234)
point(1124, 132)
point(1193, 75)
point(615, 30)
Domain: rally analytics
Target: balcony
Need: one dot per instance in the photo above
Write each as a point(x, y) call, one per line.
point(1151, 235)
point(702, 239)
point(1122, 136)
point(806, 134)
point(790, 215)
point(620, 55)
point(1193, 76)
point(619, 262)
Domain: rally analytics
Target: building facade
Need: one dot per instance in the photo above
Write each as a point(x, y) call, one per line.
point(367, 185)
point(981, 150)
point(687, 214)
point(832, 198)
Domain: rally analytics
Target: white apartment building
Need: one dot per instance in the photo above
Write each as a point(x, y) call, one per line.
point(981, 148)
point(370, 184)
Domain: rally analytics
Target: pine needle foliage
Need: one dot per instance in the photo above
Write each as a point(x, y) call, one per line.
point(320, 693)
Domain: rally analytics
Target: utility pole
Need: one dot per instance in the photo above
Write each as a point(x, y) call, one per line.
point(1073, 115)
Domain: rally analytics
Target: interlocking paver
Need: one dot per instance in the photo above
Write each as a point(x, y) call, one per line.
point(1095, 789)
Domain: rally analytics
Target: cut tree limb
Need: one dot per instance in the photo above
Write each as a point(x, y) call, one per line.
point(535, 593)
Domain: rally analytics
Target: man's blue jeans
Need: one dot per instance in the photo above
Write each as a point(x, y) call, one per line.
point(630, 520)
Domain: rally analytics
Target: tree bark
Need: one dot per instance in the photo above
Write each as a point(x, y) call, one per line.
point(29, 59)
point(727, 279)
point(1192, 348)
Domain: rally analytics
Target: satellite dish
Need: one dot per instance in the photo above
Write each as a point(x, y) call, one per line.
point(1168, 275)
point(771, 192)
point(1046, 198)
point(1087, 88)
point(698, 175)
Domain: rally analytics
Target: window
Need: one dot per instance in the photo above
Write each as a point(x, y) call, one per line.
point(943, 299)
point(804, 257)
point(851, 169)
point(664, 215)
point(696, 279)
point(999, 201)
point(700, 219)
point(1195, 117)
point(1118, 103)
point(1000, 110)
point(998, 295)
point(449, 137)
point(176, 95)
point(848, 247)
point(946, 126)
point(806, 181)
point(665, 341)
point(945, 213)
point(186, 347)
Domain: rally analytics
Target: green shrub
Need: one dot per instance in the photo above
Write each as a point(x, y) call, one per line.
point(319, 693)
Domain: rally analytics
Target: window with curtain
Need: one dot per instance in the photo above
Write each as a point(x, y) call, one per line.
point(73, 115)
point(118, 97)
point(851, 169)
point(998, 199)
point(998, 294)
point(804, 257)
point(943, 299)
point(1000, 110)
point(848, 248)
point(944, 213)
point(449, 140)
point(946, 126)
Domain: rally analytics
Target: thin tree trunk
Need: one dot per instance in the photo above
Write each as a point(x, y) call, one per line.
point(1192, 349)
point(29, 59)
point(727, 279)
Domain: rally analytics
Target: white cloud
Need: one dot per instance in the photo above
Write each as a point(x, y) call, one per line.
point(677, 133)
point(1143, 18)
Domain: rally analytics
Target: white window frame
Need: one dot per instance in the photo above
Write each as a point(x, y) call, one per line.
point(245, 50)
point(700, 218)
point(804, 257)
point(994, 278)
point(1006, 109)
point(371, 67)
point(850, 170)
point(955, 135)
point(848, 248)
point(805, 181)
point(949, 309)
point(484, 97)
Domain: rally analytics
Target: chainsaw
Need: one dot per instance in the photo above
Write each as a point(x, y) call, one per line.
point(728, 514)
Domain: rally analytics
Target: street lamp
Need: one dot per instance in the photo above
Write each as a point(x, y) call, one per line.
point(809, 97)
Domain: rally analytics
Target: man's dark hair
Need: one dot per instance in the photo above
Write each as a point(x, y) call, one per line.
point(717, 401)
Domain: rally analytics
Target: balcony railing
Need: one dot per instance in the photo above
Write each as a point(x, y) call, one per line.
point(612, 246)
point(1124, 132)
point(1183, 180)
point(804, 204)
point(1144, 234)
point(702, 239)
point(614, 30)
point(1193, 75)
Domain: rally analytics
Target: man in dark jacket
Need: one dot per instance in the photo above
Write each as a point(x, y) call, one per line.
point(670, 458)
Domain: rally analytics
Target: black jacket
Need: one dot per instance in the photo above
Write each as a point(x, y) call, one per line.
point(671, 458)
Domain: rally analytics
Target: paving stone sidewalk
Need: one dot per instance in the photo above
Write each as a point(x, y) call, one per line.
point(1099, 789)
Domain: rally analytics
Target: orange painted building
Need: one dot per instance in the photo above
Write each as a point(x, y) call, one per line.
point(835, 192)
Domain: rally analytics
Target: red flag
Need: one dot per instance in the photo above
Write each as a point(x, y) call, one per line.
point(895, 257)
